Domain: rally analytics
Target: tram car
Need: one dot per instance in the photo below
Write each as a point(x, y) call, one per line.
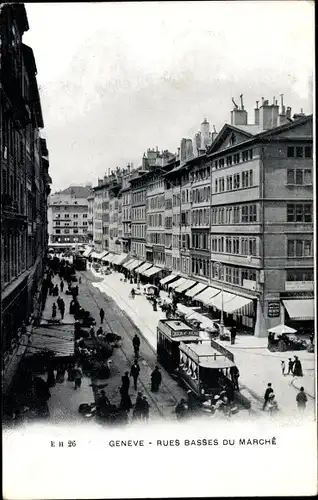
point(170, 332)
point(79, 262)
point(205, 368)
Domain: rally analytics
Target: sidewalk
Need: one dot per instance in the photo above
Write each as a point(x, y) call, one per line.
point(47, 311)
point(257, 365)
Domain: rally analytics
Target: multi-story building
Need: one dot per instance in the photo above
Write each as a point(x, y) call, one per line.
point(261, 218)
point(155, 208)
point(90, 218)
point(126, 209)
point(138, 216)
point(24, 186)
point(68, 215)
point(115, 202)
point(101, 215)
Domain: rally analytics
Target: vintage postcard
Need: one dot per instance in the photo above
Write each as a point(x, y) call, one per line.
point(157, 249)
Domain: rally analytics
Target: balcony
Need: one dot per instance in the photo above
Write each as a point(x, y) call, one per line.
point(299, 286)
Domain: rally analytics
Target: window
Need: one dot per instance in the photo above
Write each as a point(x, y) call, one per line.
point(299, 177)
point(229, 183)
point(252, 213)
point(216, 185)
point(308, 152)
point(250, 154)
point(299, 248)
point(75, 223)
point(236, 158)
point(229, 161)
point(66, 231)
point(297, 212)
point(75, 216)
point(85, 216)
point(299, 275)
point(66, 216)
point(57, 231)
point(299, 152)
point(237, 181)
point(244, 214)
point(252, 246)
point(290, 152)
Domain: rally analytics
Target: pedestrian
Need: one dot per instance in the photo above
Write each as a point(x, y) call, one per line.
point(60, 374)
point(92, 332)
point(80, 280)
point(54, 310)
point(282, 363)
point(290, 366)
point(298, 369)
point(137, 413)
point(125, 402)
point(136, 345)
point(155, 379)
point(181, 409)
point(154, 304)
point(267, 394)
point(62, 308)
point(145, 407)
point(132, 293)
point(62, 285)
point(134, 373)
point(50, 377)
point(233, 334)
point(125, 381)
point(101, 315)
point(56, 291)
point(234, 372)
point(301, 399)
point(99, 331)
point(78, 374)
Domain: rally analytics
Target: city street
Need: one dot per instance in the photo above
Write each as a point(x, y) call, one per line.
point(256, 363)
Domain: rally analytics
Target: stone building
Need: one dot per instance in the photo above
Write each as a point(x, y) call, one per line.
point(24, 186)
point(68, 215)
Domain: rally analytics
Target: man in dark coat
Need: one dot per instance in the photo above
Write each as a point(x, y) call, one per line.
point(62, 285)
point(233, 334)
point(267, 394)
point(134, 373)
point(290, 366)
point(101, 315)
point(155, 379)
point(234, 372)
point(136, 345)
point(62, 308)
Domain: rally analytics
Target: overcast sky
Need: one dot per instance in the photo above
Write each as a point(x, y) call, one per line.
point(118, 78)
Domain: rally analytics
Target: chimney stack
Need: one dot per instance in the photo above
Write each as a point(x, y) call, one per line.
point(288, 112)
point(268, 114)
point(256, 114)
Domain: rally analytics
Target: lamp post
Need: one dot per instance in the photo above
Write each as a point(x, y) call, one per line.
point(221, 276)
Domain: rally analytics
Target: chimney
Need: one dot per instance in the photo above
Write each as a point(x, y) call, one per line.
point(268, 114)
point(238, 116)
point(205, 132)
point(214, 133)
point(288, 112)
point(256, 114)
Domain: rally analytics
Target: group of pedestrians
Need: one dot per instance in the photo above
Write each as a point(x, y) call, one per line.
point(270, 402)
point(294, 367)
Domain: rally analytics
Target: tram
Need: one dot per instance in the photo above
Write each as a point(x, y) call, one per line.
point(170, 332)
point(205, 368)
point(79, 262)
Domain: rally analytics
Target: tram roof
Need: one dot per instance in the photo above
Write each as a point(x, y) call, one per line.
point(206, 355)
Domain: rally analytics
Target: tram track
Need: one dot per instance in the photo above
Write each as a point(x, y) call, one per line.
point(127, 355)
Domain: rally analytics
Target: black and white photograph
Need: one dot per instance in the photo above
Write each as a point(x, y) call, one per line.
point(157, 249)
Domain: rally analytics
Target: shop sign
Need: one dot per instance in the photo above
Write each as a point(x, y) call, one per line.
point(273, 309)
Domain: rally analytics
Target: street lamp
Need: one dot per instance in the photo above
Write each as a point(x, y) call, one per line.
point(220, 268)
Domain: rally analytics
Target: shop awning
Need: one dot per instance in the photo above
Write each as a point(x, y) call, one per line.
point(236, 303)
point(216, 301)
point(141, 269)
point(119, 259)
point(153, 270)
point(87, 252)
point(165, 280)
point(109, 257)
point(57, 338)
point(199, 287)
point(185, 286)
point(128, 263)
point(96, 255)
point(135, 263)
point(206, 295)
point(177, 283)
point(106, 257)
point(300, 309)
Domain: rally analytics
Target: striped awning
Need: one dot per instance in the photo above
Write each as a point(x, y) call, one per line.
point(224, 297)
point(177, 283)
point(206, 295)
point(105, 258)
point(185, 286)
point(150, 272)
point(126, 265)
point(199, 287)
point(119, 259)
point(300, 309)
point(143, 268)
point(134, 263)
point(235, 304)
point(165, 280)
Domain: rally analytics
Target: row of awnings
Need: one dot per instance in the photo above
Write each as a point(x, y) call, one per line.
point(143, 268)
point(87, 252)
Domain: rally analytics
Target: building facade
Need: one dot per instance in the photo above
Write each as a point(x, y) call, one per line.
point(24, 186)
point(68, 215)
point(90, 218)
